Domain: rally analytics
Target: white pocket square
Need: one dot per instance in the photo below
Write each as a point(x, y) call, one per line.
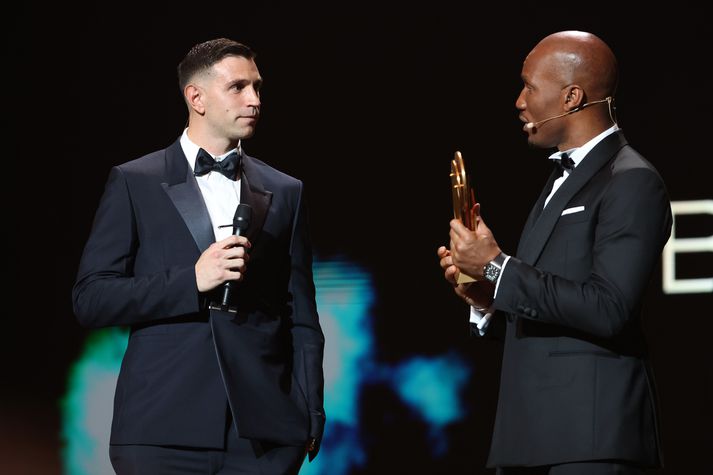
point(576, 209)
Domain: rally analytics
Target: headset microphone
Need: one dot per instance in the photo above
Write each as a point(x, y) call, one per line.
point(534, 125)
point(608, 100)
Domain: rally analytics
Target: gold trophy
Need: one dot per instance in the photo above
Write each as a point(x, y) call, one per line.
point(463, 202)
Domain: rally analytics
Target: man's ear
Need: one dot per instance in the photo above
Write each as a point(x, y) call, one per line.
point(194, 98)
point(573, 97)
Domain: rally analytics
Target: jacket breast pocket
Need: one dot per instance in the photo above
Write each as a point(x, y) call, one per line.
point(574, 217)
point(574, 235)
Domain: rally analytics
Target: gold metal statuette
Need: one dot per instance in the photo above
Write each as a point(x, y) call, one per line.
point(463, 202)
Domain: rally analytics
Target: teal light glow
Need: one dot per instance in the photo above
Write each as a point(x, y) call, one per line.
point(432, 387)
point(87, 405)
point(344, 297)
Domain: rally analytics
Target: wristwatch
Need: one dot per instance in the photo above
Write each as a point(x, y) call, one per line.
point(491, 270)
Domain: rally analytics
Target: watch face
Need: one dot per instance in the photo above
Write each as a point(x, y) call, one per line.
point(491, 272)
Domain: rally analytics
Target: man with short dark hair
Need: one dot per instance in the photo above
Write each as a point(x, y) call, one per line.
point(208, 385)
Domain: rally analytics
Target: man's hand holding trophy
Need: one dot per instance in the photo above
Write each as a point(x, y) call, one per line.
point(464, 206)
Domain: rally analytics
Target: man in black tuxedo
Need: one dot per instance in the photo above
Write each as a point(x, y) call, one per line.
point(205, 387)
point(576, 390)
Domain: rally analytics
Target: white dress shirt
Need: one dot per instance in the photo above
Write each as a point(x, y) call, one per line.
point(482, 319)
point(221, 194)
point(577, 155)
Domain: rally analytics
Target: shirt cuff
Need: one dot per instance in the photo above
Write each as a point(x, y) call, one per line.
point(481, 319)
point(497, 284)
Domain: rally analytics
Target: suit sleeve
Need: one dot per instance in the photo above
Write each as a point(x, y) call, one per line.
point(634, 223)
point(307, 333)
point(107, 292)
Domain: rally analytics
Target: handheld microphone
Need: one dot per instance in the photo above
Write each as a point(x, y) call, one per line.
point(534, 125)
point(241, 223)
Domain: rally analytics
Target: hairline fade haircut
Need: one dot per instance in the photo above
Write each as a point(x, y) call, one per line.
point(204, 55)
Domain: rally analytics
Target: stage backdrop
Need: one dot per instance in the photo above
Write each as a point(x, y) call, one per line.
point(367, 105)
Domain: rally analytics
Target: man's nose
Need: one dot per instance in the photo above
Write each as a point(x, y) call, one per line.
point(253, 98)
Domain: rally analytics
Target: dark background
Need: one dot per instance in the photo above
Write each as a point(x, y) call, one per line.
point(366, 103)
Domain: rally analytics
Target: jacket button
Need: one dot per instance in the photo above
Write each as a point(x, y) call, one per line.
point(511, 318)
point(533, 313)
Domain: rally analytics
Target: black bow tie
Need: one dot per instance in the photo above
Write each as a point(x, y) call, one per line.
point(229, 166)
point(564, 163)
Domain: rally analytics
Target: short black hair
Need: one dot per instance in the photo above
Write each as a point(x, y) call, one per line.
point(204, 55)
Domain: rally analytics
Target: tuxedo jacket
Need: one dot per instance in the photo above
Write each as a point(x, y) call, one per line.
point(575, 383)
point(187, 366)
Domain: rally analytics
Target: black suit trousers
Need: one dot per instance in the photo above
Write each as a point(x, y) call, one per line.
point(579, 468)
point(240, 457)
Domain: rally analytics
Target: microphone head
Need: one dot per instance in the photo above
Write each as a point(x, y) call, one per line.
point(242, 217)
point(530, 125)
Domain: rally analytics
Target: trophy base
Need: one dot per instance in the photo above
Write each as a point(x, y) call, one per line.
point(464, 278)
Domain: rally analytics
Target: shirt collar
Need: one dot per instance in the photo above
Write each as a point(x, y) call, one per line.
point(577, 154)
point(190, 150)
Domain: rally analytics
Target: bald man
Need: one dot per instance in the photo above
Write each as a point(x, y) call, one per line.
point(208, 386)
point(576, 394)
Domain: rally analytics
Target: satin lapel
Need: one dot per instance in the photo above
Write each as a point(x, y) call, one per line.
point(186, 196)
point(536, 210)
point(531, 246)
point(253, 193)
